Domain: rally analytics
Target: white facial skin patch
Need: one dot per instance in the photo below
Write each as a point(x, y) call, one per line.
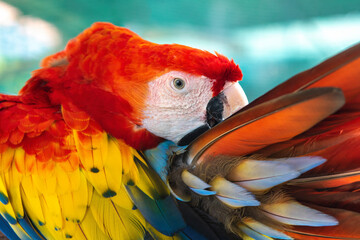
point(174, 107)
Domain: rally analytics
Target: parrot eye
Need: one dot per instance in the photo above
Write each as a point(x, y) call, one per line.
point(178, 83)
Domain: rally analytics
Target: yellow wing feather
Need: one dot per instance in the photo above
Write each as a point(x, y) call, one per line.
point(6, 159)
point(31, 200)
point(90, 227)
point(74, 185)
point(116, 222)
point(12, 180)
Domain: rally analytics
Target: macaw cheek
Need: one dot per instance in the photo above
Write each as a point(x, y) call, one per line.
point(220, 107)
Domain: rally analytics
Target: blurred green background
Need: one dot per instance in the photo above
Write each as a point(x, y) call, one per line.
point(270, 40)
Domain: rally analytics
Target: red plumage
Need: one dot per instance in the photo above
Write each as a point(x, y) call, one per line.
point(315, 113)
point(332, 187)
point(97, 68)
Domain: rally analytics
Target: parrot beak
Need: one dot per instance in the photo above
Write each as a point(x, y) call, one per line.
point(220, 107)
point(226, 103)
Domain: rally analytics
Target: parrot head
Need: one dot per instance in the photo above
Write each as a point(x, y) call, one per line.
point(140, 91)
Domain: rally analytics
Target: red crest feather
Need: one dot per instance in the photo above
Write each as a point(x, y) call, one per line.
point(105, 61)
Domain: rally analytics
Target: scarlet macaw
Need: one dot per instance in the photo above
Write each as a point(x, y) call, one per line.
point(96, 146)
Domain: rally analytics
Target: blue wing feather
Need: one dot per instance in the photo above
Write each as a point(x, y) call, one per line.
point(7, 230)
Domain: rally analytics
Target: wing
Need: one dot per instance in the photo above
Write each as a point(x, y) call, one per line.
point(62, 176)
point(333, 186)
point(337, 137)
point(287, 165)
point(240, 135)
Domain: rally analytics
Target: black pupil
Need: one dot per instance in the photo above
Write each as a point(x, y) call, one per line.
point(179, 83)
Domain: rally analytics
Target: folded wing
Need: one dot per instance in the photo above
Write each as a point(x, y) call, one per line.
point(62, 176)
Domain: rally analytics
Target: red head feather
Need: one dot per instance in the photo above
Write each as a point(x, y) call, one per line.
point(105, 70)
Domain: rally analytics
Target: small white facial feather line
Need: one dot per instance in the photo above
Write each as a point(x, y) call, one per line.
point(171, 114)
